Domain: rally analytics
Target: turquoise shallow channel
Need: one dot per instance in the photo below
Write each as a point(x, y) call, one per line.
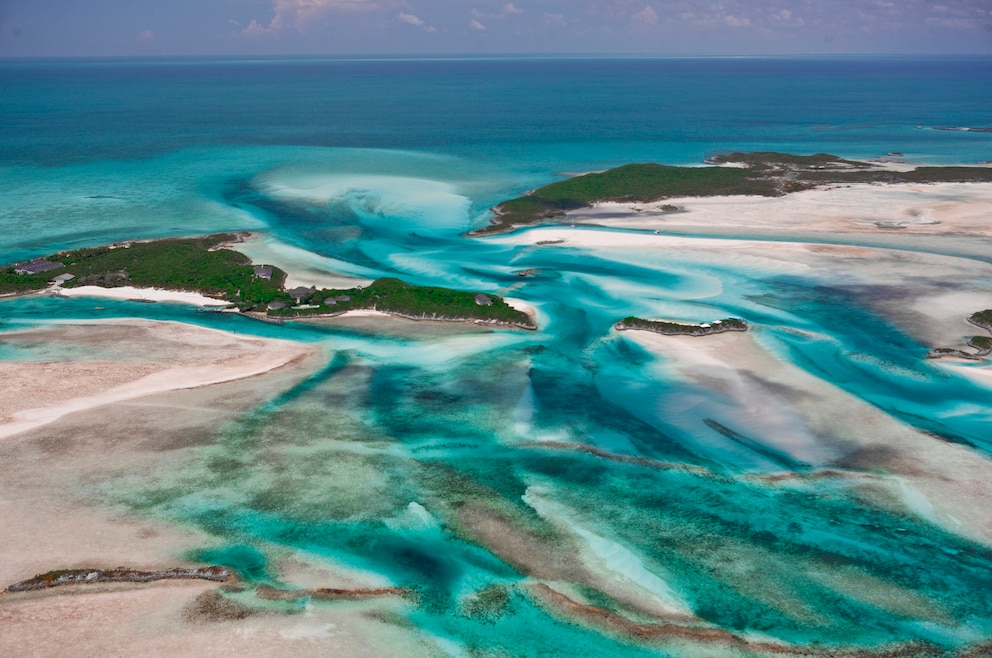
point(573, 490)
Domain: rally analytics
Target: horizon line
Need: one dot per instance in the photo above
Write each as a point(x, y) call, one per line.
point(477, 56)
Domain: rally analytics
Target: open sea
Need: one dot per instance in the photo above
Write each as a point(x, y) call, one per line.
point(391, 459)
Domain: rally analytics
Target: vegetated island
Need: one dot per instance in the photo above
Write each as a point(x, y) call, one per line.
point(208, 266)
point(118, 575)
point(756, 174)
point(678, 329)
point(981, 344)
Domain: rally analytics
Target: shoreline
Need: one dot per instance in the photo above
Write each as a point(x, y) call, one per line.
point(137, 294)
point(959, 209)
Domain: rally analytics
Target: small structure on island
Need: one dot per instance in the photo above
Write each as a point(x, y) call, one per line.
point(63, 278)
point(301, 293)
point(262, 271)
point(37, 266)
point(330, 301)
point(275, 306)
point(483, 300)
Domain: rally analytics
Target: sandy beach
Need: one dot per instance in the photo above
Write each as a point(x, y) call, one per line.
point(913, 208)
point(143, 294)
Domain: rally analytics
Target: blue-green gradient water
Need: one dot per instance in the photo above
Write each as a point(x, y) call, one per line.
point(470, 468)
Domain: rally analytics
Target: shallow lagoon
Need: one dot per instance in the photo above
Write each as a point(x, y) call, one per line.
point(470, 467)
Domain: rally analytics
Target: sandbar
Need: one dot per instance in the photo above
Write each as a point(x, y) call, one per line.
point(189, 357)
point(820, 424)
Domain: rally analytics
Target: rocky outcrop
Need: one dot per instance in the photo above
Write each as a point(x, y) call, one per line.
point(330, 594)
point(118, 575)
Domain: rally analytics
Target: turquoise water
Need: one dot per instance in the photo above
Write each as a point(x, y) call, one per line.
point(401, 455)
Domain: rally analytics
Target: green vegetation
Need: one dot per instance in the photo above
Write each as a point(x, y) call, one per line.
point(764, 174)
point(677, 329)
point(13, 283)
point(982, 319)
point(772, 159)
point(633, 183)
point(202, 265)
point(174, 264)
point(420, 302)
point(981, 343)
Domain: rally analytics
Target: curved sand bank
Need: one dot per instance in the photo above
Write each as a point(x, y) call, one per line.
point(159, 357)
point(927, 295)
point(910, 208)
point(817, 423)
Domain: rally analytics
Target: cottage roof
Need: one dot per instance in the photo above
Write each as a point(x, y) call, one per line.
point(483, 300)
point(297, 293)
point(37, 266)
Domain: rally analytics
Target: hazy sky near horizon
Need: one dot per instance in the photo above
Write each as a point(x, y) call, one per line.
point(41, 28)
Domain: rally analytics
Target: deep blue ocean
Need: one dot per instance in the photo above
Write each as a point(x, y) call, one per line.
point(411, 450)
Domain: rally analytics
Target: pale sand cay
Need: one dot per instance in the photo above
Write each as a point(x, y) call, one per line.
point(943, 482)
point(41, 392)
point(933, 209)
point(147, 294)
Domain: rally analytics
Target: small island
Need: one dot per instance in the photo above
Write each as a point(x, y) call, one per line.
point(677, 329)
point(756, 174)
point(982, 345)
point(395, 297)
point(63, 577)
point(208, 266)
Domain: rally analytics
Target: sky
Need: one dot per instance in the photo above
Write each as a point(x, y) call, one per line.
point(129, 28)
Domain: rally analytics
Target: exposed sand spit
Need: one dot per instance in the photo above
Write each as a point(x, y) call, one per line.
point(160, 356)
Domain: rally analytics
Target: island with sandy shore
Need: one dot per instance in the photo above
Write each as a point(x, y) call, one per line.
point(982, 345)
point(667, 328)
point(208, 267)
point(766, 174)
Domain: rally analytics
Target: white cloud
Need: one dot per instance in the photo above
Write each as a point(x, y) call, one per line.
point(410, 19)
point(416, 21)
point(297, 13)
point(736, 21)
point(555, 19)
point(647, 16)
point(146, 35)
point(254, 29)
point(476, 25)
point(509, 9)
